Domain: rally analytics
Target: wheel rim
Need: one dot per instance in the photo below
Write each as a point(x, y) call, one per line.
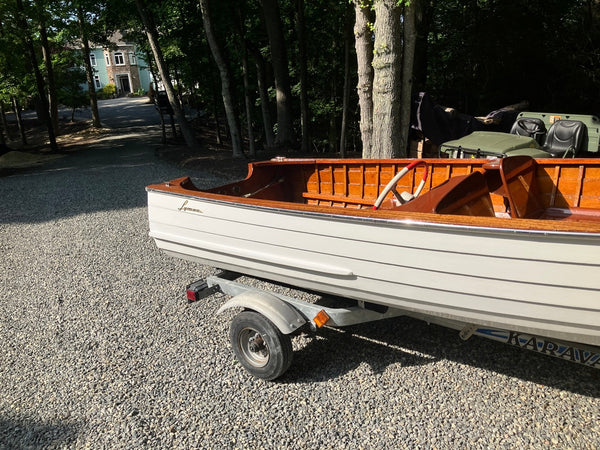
point(253, 347)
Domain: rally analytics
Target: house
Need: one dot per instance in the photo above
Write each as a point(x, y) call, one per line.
point(120, 65)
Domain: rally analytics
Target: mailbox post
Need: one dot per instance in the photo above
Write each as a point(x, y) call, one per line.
point(164, 107)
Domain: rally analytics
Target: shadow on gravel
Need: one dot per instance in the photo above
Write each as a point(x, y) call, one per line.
point(110, 176)
point(411, 343)
point(102, 170)
point(338, 351)
point(31, 435)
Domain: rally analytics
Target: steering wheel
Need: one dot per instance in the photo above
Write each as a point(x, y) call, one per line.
point(405, 196)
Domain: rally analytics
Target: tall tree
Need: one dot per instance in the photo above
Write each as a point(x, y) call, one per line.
point(408, 58)
point(387, 58)
point(3, 120)
point(13, 69)
point(226, 91)
point(47, 57)
point(152, 35)
point(89, 71)
point(22, 21)
point(346, 93)
point(364, 58)
point(248, 101)
point(20, 125)
point(285, 130)
point(246, 80)
point(302, 62)
point(261, 81)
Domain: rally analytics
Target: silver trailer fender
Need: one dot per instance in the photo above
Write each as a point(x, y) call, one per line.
point(283, 316)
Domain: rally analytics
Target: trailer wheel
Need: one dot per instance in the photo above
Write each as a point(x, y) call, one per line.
point(260, 346)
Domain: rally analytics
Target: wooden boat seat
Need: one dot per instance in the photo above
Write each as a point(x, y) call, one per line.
point(515, 178)
point(462, 195)
point(336, 200)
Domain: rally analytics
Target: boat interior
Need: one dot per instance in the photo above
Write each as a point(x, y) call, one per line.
point(513, 187)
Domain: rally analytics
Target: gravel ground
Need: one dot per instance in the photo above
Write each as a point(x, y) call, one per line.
point(101, 350)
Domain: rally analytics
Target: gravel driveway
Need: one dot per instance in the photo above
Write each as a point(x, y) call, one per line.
point(101, 350)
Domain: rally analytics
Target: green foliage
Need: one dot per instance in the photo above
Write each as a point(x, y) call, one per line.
point(69, 76)
point(486, 54)
point(73, 96)
point(107, 92)
point(474, 55)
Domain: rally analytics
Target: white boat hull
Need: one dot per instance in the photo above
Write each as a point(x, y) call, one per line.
point(542, 283)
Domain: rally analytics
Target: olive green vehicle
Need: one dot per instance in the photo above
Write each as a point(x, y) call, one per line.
point(539, 135)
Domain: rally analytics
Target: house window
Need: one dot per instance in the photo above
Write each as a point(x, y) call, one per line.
point(97, 81)
point(119, 60)
point(107, 58)
point(92, 59)
point(132, 59)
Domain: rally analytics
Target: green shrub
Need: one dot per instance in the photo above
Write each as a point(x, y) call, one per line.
point(107, 91)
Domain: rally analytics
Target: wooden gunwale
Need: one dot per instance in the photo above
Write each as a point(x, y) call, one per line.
point(552, 169)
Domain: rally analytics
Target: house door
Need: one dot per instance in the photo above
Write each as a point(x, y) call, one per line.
point(124, 85)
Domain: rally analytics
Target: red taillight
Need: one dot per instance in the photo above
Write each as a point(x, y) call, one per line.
point(199, 289)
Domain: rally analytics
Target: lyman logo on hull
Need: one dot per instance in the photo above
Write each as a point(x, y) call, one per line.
point(543, 345)
point(186, 208)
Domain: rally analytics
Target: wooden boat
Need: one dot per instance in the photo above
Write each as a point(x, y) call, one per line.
point(512, 243)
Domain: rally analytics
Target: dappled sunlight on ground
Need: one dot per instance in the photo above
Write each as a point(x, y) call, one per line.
point(19, 160)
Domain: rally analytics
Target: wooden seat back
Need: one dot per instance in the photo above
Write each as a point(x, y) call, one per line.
point(461, 195)
point(519, 185)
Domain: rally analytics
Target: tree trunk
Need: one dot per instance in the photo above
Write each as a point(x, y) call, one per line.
point(216, 109)
point(333, 137)
point(346, 93)
point(4, 127)
point(39, 79)
point(52, 97)
point(150, 63)
point(247, 99)
point(408, 58)
point(364, 58)
point(285, 130)
point(152, 35)
point(17, 109)
point(217, 52)
point(264, 97)
point(4, 121)
point(248, 104)
point(89, 72)
point(424, 19)
point(304, 110)
point(387, 65)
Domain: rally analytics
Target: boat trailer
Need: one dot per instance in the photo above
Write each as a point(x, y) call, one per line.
point(261, 334)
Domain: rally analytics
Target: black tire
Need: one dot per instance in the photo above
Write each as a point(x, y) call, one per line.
point(259, 346)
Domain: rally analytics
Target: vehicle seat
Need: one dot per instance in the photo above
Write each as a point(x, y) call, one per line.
point(530, 127)
point(565, 137)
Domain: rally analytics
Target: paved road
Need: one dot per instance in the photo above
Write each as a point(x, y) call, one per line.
point(132, 135)
point(114, 113)
point(100, 349)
